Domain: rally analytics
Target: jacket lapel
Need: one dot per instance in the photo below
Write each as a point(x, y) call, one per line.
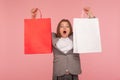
point(54, 44)
point(71, 38)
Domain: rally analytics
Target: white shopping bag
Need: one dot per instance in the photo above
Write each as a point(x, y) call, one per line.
point(86, 35)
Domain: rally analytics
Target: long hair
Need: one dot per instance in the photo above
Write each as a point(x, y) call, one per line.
point(58, 27)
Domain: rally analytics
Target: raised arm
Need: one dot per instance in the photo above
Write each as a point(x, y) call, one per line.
point(89, 12)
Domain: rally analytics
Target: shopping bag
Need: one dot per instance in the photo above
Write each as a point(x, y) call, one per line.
point(86, 35)
point(37, 35)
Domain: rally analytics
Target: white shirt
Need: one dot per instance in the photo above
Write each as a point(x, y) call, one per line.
point(64, 44)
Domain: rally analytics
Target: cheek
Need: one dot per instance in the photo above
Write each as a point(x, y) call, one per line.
point(68, 30)
point(61, 30)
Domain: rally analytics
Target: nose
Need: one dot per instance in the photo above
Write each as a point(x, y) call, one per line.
point(64, 27)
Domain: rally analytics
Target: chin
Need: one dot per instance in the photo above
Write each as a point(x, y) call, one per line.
point(64, 36)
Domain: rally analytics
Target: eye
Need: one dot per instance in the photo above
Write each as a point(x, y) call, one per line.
point(64, 26)
point(61, 26)
point(68, 26)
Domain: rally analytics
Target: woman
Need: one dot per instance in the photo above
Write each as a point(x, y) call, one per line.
point(66, 65)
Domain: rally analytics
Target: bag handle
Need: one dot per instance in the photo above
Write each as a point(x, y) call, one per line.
point(82, 14)
point(34, 12)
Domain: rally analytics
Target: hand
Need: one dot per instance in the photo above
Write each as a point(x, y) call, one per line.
point(88, 11)
point(34, 12)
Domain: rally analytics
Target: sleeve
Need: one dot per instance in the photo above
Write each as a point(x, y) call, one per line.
point(53, 35)
point(71, 36)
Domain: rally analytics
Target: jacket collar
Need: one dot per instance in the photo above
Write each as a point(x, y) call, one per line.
point(55, 41)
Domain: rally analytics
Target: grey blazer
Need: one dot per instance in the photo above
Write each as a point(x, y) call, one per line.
point(62, 61)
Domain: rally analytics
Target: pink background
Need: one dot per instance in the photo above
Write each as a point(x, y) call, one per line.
point(15, 65)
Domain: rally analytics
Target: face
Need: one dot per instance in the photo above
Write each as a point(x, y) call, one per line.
point(64, 29)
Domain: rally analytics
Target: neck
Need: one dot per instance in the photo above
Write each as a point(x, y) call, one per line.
point(64, 37)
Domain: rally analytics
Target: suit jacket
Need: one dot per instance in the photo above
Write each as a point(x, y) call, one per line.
point(62, 61)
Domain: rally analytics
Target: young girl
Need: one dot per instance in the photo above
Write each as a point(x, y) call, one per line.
point(66, 65)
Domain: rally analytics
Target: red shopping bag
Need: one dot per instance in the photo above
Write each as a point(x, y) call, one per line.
point(37, 36)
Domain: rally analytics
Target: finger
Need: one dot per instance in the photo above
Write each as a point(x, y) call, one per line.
point(34, 10)
point(86, 8)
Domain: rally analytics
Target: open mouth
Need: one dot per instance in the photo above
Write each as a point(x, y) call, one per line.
point(64, 32)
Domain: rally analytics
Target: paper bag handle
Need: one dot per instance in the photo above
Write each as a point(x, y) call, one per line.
point(82, 14)
point(34, 12)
